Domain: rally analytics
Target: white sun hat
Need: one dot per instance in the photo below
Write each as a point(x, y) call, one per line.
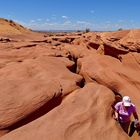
point(126, 101)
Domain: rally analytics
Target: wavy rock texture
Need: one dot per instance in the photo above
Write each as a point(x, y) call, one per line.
point(62, 85)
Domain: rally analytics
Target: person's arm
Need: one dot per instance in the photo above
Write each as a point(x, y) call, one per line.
point(137, 123)
point(135, 115)
point(116, 115)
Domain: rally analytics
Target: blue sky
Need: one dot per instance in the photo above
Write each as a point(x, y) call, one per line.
point(73, 14)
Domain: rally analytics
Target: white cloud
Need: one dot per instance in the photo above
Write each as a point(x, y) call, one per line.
point(64, 23)
point(64, 17)
point(82, 22)
point(32, 21)
point(67, 22)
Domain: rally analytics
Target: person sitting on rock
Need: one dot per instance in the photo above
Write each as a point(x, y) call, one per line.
point(123, 112)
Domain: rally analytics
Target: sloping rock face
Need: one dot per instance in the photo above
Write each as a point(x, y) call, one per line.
point(82, 115)
point(31, 84)
point(61, 86)
point(9, 26)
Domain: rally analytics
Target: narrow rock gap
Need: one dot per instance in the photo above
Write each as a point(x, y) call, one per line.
point(81, 83)
point(74, 67)
point(56, 101)
point(26, 46)
point(74, 70)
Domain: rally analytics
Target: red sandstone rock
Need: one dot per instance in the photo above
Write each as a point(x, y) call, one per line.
point(61, 85)
point(84, 114)
point(28, 85)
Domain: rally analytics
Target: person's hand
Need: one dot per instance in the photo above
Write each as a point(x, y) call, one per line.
point(136, 123)
point(116, 118)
